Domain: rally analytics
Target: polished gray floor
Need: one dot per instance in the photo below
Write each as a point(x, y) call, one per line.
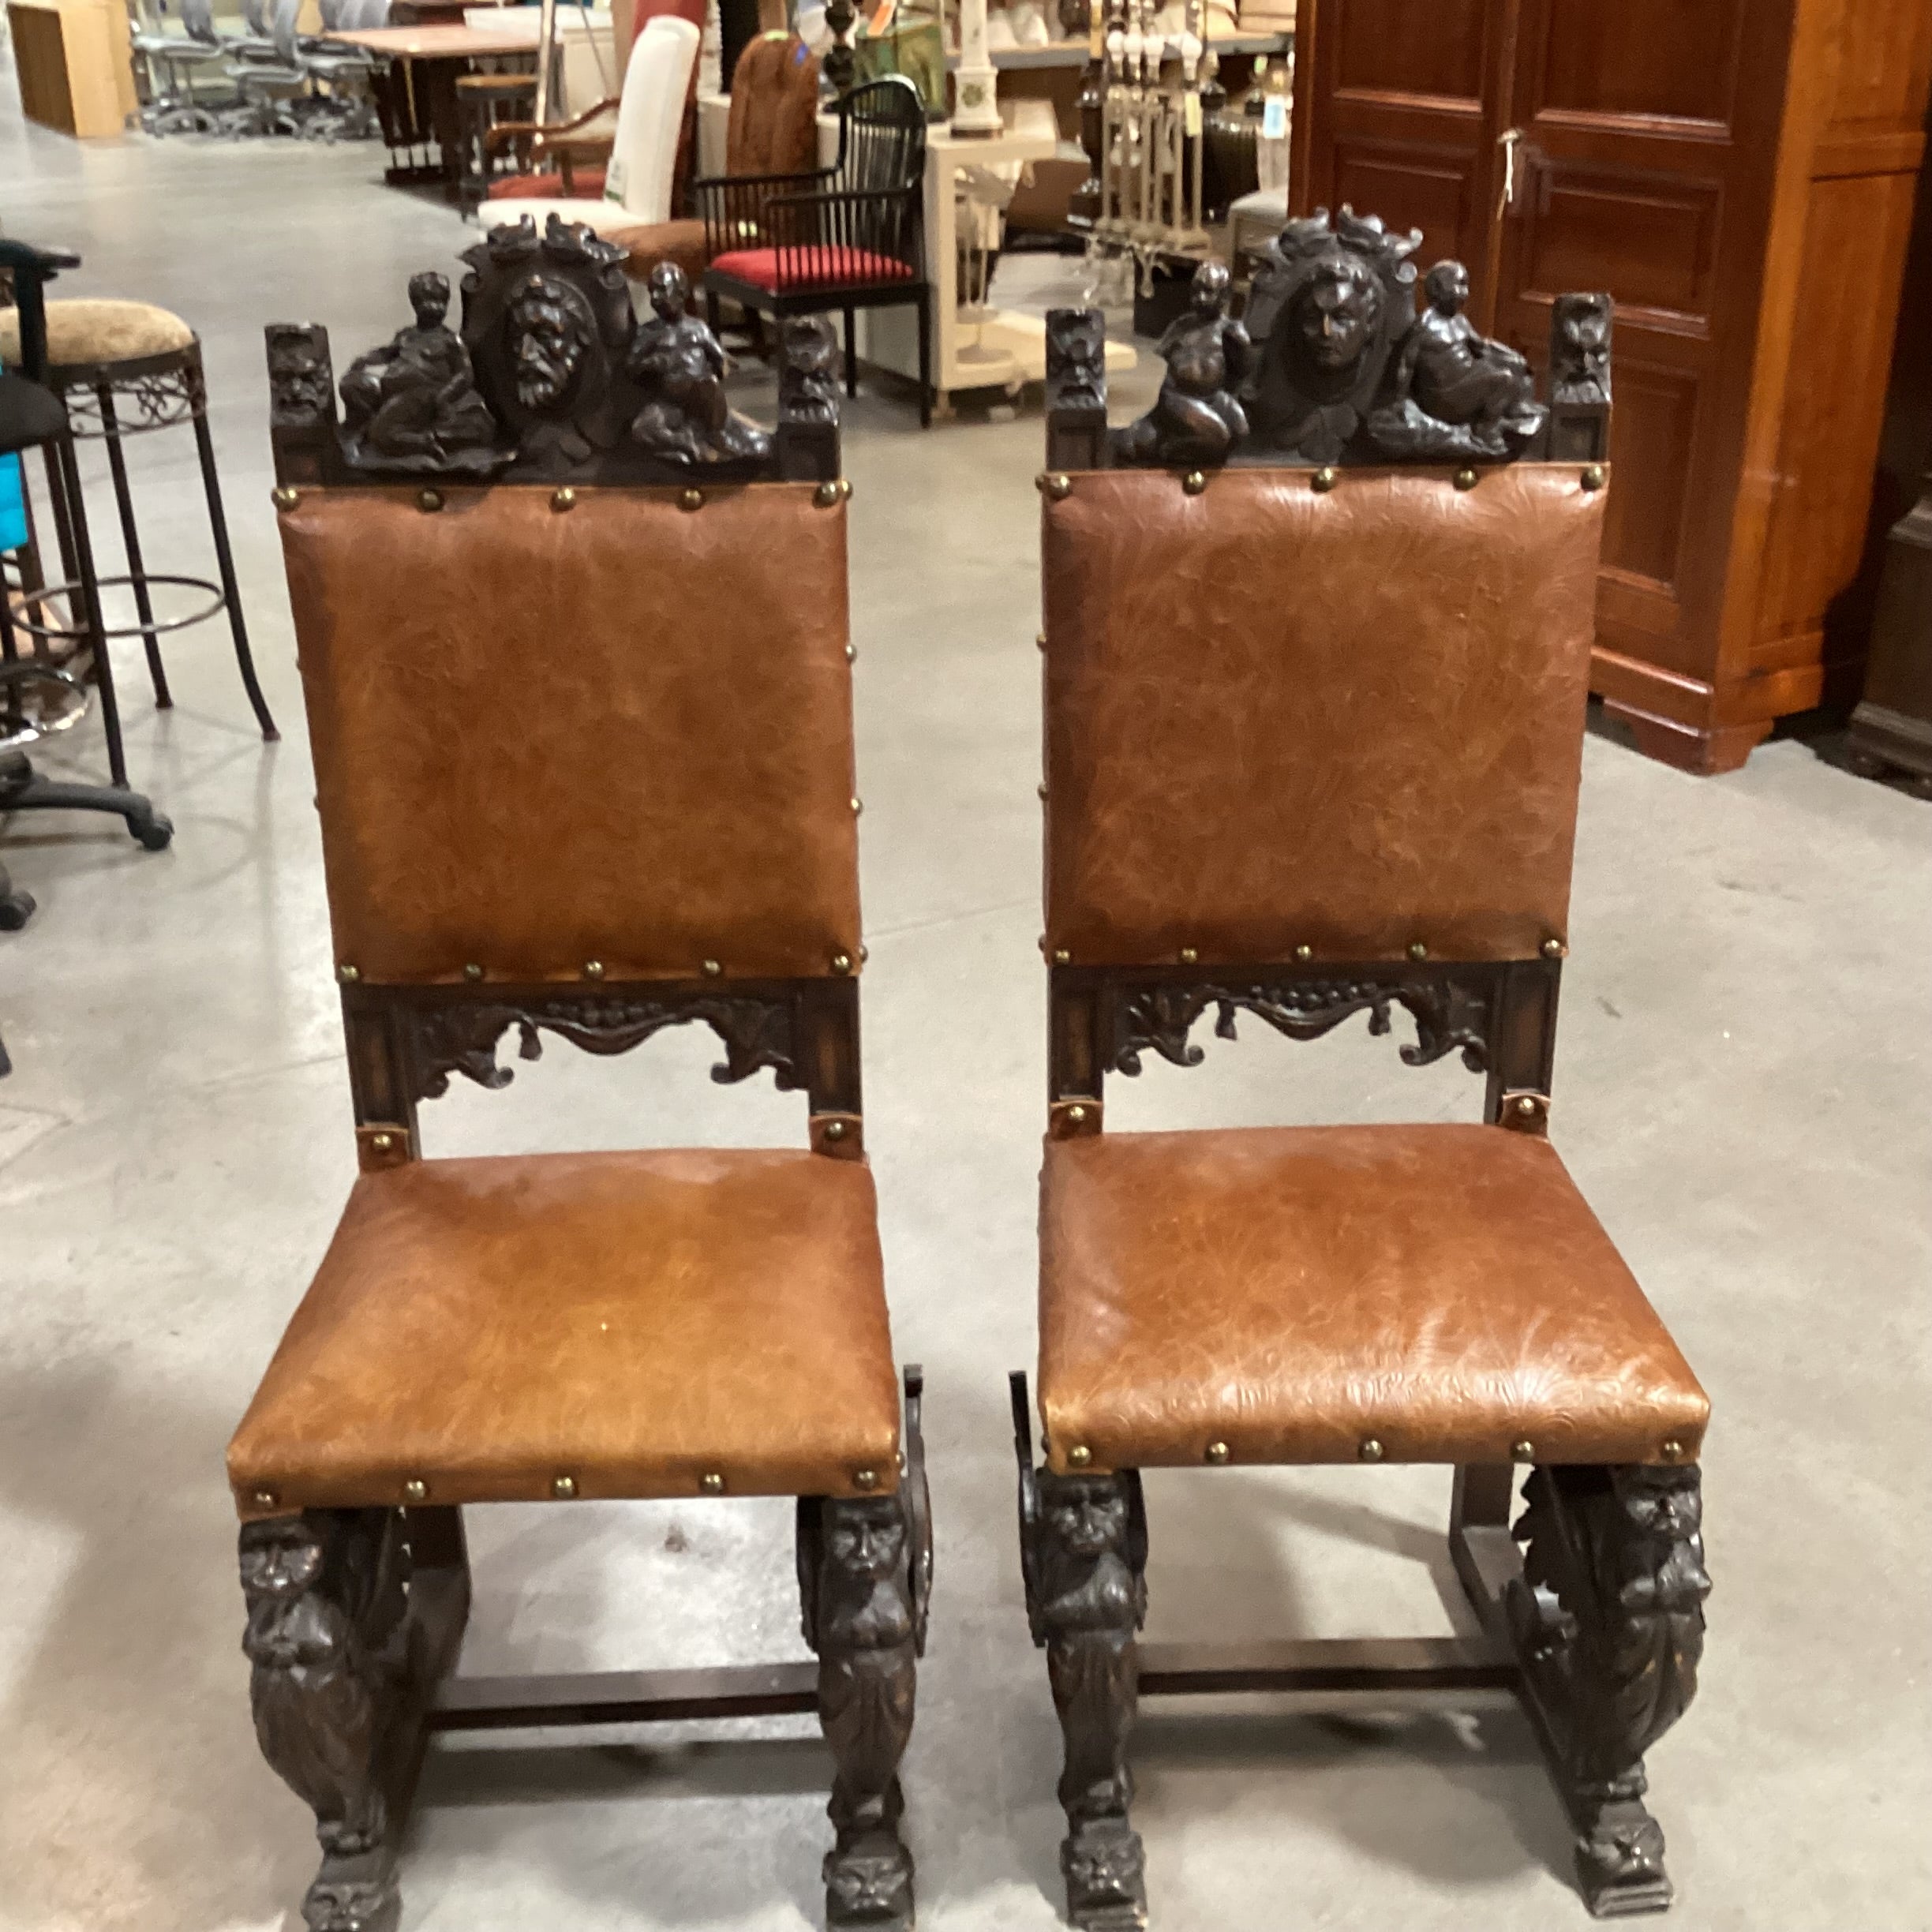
point(1745, 1092)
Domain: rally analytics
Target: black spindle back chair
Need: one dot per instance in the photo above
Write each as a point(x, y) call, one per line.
point(845, 237)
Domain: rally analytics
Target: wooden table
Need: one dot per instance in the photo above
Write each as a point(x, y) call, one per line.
point(416, 100)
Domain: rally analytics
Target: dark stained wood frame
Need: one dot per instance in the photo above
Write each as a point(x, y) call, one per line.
point(345, 1718)
point(1588, 1531)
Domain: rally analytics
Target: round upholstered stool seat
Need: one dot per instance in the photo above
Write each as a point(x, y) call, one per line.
point(124, 368)
point(86, 334)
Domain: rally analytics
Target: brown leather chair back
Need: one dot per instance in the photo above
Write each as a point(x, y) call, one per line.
point(619, 733)
point(1342, 713)
point(773, 127)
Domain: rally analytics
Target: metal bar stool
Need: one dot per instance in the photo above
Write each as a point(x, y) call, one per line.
point(99, 356)
point(32, 416)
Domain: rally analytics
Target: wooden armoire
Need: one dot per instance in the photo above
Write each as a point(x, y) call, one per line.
point(1740, 175)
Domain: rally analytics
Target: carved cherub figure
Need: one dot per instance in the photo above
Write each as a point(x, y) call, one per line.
point(1196, 418)
point(680, 363)
point(1457, 377)
point(413, 404)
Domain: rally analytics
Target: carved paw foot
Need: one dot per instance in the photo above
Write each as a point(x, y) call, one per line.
point(1619, 1861)
point(1106, 1890)
point(869, 1883)
point(355, 1893)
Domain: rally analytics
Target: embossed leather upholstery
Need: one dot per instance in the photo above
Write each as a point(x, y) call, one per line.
point(1351, 720)
point(632, 1321)
point(1292, 1292)
point(620, 733)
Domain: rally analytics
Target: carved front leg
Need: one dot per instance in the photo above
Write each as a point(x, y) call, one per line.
point(855, 1572)
point(327, 1636)
point(1609, 1622)
point(1087, 1597)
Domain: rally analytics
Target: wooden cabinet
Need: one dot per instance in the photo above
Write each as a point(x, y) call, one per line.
point(1738, 174)
point(74, 63)
point(1891, 734)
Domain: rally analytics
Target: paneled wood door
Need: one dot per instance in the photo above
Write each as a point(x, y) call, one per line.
point(1645, 165)
point(1410, 117)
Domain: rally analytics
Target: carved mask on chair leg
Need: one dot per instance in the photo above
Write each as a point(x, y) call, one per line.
point(1089, 1574)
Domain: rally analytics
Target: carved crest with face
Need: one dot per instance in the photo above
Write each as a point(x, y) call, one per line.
point(548, 331)
point(1333, 314)
point(1328, 307)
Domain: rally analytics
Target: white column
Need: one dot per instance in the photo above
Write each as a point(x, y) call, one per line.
point(976, 110)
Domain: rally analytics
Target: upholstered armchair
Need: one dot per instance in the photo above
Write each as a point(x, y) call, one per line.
point(609, 180)
point(771, 137)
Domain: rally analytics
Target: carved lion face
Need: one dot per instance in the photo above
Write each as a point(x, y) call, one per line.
point(868, 1541)
point(1089, 1521)
point(549, 330)
point(1334, 315)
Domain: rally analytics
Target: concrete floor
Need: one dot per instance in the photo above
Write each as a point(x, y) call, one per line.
point(1744, 1095)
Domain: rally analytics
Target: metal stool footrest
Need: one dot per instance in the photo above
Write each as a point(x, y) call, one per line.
point(76, 633)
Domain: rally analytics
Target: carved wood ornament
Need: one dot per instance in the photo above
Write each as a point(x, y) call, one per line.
point(1608, 1619)
point(345, 1659)
point(1334, 363)
point(551, 379)
point(865, 1568)
point(1083, 1555)
point(757, 1033)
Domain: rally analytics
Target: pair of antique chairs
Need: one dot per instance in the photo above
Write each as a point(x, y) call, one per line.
point(1313, 729)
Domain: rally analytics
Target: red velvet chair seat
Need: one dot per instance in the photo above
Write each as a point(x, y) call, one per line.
point(818, 267)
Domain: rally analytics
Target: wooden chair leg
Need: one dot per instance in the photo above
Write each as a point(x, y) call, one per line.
point(1608, 1622)
point(345, 1661)
point(851, 352)
point(1085, 1558)
point(855, 1559)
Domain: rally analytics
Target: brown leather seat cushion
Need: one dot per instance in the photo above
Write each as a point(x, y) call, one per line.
point(1292, 1292)
point(632, 1321)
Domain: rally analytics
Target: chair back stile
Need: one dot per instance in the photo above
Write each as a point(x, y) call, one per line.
point(1315, 675)
point(626, 855)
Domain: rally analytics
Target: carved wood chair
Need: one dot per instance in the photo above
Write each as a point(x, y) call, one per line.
point(1317, 641)
point(670, 837)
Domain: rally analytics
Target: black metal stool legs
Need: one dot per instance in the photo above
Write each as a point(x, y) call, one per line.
point(185, 369)
point(16, 908)
point(224, 559)
point(73, 517)
point(130, 543)
point(20, 788)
